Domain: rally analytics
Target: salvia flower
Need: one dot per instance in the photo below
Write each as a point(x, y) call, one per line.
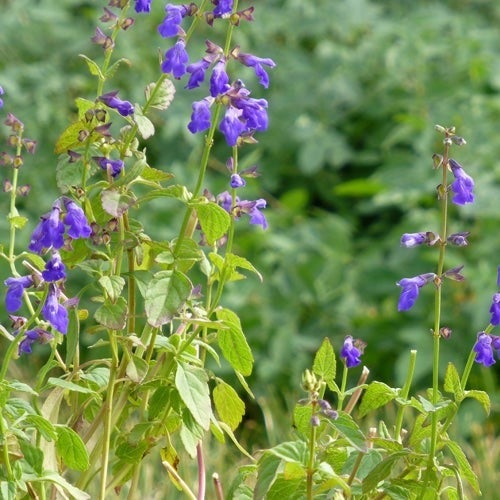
point(350, 353)
point(54, 268)
point(170, 25)
point(411, 288)
point(225, 200)
point(176, 59)
point(252, 209)
point(462, 186)
point(15, 290)
point(495, 310)
point(114, 167)
point(410, 240)
point(232, 126)
point(222, 7)
point(459, 239)
point(78, 225)
point(31, 336)
point(200, 117)
point(106, 42)
point(49, 232)
point(257, 64)
point(237, 181)
point(1, 100)
point(219, 81)
point(484, 349)
point(54, 312)
point(142, 6)
point(125, 108)
point(197, 71)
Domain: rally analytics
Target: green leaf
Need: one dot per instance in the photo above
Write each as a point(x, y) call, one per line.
point(289, 489)
point(159, 401)
point(132, 453)
point(350, 430)
point(452, 383)
point(291, 451)
point(376, 395)
point(228, 264)
point(160, 96)
point(214, 220)
point(233, 343)
point(192, 384)
point(154, 175)
point(43, 426)
point(302, 419)
point(144, 124)
point(131, 174)
point(480, 396)
point(18, 221)
point(93, 67)
point(463, 465)
point(113, 68)
point(165, 295)
point(61, 484)
point(69, 386)
point(71, 450)
point(324, 362)
point(113, 286)
point(176, 191)
point(137, 369)
point(116, 203)
point(382, 470)
point(267, 473)
point(113, 315)
point(69, 138)
point(83, 105)
point(33, 455)
point(228, 404)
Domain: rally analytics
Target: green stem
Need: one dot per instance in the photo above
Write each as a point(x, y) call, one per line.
point(404, 395)
point(342, 388)
point(311, 460)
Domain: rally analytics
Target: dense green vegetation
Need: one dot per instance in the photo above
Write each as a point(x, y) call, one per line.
point(346, 167)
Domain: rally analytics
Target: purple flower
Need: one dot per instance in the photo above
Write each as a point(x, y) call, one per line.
point(225, 200)
point(223, 7)
point(237, 181)
point(252, 209)
point(125, 108)
point(55, 313)
point(411, 288)
point(484, 350)
point(257, 64)
point(78, 226)
point(197, 71)
point(200, 117)
point(350, 352)
point(175, 60)
point(1, 100)
point(101, 39)
point(231, 126)
point(49, 232)
point(114, 167)
point(495, 310)
point(15, 290)
point(30, 336)
point(219, 81)
point(170, 25)
point(462, 186)
point(54, 269)
point(459, 239)
point(254, 112)
point(410, 240)
point(142, 6)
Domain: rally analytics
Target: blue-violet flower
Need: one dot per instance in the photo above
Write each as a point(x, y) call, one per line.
point(411, 288)
point(484, 349)
point(30, 336)
point(350, 353)
point(257, 64)
point(495, 310)
point(54, 268)
point(170, 25)
point(219, 81)
point(142, 6)
point(78, 226)
point(15, 290)
point(223, 7)
point(197, 71)
point(462, 186)
point(410, 240)
point(237, 181)
point(125, 108)
point(200, 117)
point(49, 232)
point(176, 59)
point(54, 312)
point(114, 167)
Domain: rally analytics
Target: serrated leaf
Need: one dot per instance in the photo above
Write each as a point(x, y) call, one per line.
point(382, 470)
point(452, 383)
point(350, 430)
point(165, 295)
point(228, 404)
point(463, 465)
point(144, 124)
point(302, 418)
point(155, 175)
point(71, 450)
point(376, 395)
point(233, 344)
point(116, 203)
point(289, 489)
point(112, 315)
point(291, 451)
point(480, 396)
point(93, 67)
point(324, 362)
point(192, 385)
point(214, 220)
point(137, 369)
point(267, 472)
point(69, 138)
point(160, 96)
point(227, 265)
point(43, 426)
point(112, 69)
point(113, 286)
point(32, 455)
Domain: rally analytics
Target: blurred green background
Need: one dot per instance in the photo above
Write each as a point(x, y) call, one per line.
point(346, 167)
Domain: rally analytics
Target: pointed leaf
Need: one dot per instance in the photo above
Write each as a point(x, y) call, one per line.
point(137, 369)
point(350, 430)
point(228, 404)
point(116, 203)
point(480, 396)
point(93, 67)
point(192, 384)
point(144, 124)
point(69, 138)
point(165, 295)
point(71, 450)
point(452, 383)
point(214, 220)
point(324, 362)
point(376, 395)
point(113, 285)
point(463, 465)
point(113, 316)
point(160, 96)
